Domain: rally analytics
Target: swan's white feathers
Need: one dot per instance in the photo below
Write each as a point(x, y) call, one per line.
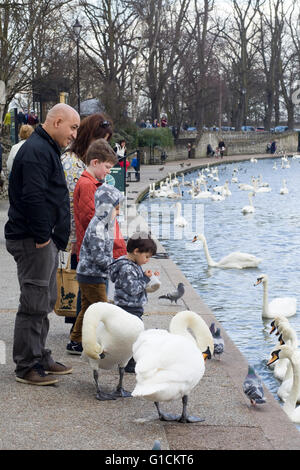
point(162, 376)
point(109, 329)
point(169, 365)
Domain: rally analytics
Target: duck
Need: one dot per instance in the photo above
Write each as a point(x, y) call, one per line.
point(289, 337)
point(253, 388)
point(170, 364)
point(108, 333)
point(289, 407)
point(179, 220)
point(250, 208)
point(235, 260)
point(280, 306)
point(284, 189)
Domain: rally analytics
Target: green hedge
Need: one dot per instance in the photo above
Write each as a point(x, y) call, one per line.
point(156, 136)
point(136, 137)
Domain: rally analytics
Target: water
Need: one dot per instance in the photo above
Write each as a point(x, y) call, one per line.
point(271, 233)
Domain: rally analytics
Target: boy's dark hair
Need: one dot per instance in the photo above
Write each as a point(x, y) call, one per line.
point(101, 150)
point(143, 242)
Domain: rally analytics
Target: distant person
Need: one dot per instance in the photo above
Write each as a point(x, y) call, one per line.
point(156, 123)
point(21, 119)
point(189, 149)
point(120, 149)
point(25, 132)
point(32, 118)
point(38, 227)
point(268, 149)
point(222, 148)
point(164, 122)
point(209, 151)
point(7, 123)
point(273, 147)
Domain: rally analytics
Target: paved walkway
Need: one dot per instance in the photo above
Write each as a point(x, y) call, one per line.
point(67, 416)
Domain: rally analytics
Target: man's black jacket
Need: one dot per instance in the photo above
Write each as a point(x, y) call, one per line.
point(38, 194)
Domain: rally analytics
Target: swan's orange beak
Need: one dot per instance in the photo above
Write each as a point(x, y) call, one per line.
point(206, 355)
point(274, 358)
point(259, 280)
point(273, 327)
point(195, 238)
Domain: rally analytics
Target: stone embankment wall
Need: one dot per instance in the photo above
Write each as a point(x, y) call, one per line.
point(237, 143)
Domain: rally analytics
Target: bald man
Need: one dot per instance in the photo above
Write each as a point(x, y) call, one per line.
point(38, 227)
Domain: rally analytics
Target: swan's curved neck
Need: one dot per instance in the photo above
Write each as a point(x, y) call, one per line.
point(291, 401)
point(202, 336)
point(209, 259)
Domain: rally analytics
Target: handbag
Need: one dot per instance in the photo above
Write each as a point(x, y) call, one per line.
point(67, 290)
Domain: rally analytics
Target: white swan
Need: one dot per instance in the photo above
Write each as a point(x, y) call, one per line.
point(293, 355)
point(108, 333)
point(179, 220)
point(235, 260)
point(284, 189)
point(170, 364)
point(250, 208)
point(289, 337)
point(281, 306)
point(275, 166)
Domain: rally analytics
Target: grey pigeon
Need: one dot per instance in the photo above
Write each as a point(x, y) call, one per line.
point(156, 445)
point(218, 340)
point(174, 296)
point(253, 388)
point(161, 169)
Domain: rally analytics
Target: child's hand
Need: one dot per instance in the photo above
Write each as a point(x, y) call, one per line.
point(148, 273)
point(157, 273)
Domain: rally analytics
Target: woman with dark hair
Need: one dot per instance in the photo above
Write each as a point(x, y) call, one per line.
point(93, 127)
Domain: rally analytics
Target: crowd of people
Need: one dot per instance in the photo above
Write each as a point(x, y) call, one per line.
point(148, 124)
point(60, 202)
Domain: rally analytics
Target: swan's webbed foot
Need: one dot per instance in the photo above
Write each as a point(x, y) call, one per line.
point(184, 418)
point(120, 391)
point(165, 416)
point(101, 396)
point(190, 419)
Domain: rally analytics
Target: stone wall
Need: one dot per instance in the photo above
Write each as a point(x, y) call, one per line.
point(237, 143)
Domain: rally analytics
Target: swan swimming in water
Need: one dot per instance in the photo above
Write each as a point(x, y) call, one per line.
point(250, 208)
point(170, 364)
point(284, 189)
point(179, 220)
point(280, 306)
point(236, 259)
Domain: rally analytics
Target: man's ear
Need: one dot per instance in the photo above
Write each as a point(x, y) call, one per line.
point(57, 122)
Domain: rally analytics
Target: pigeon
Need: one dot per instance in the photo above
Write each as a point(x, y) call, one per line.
point(174, 296)
point(253, 388)
point(156, 445)
point(188, 164)
point(218, 340)
point(181, 164)
point(161, 169)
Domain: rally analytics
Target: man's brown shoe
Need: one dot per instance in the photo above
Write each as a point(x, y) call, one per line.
point(36, 376)
point(58, 369)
